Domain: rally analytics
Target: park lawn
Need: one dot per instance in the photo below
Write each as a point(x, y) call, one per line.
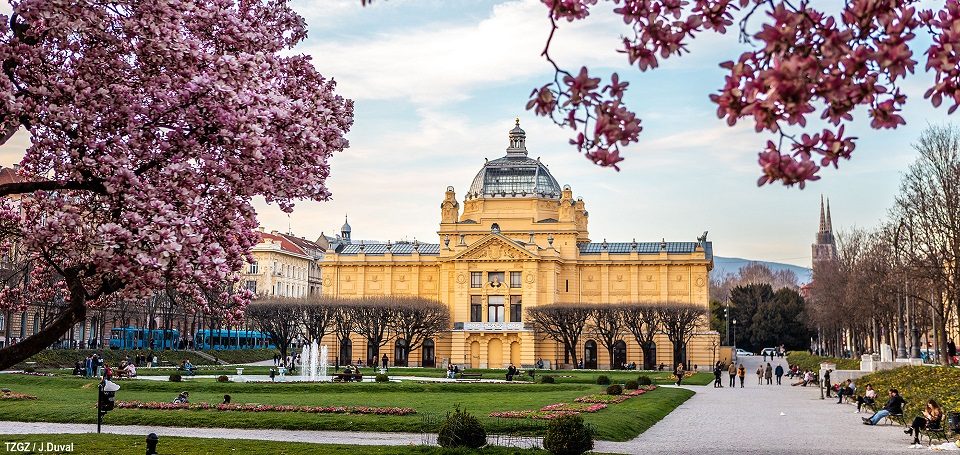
point(71, 400)
point(90, 444)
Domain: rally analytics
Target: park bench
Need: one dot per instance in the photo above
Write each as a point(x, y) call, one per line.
point(343, 377)
point(939, 433)
point(895, 419)
point(470, 376)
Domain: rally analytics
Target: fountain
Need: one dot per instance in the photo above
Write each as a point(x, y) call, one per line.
point(314, 363)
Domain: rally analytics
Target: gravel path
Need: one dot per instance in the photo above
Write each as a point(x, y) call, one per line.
point(756, 419)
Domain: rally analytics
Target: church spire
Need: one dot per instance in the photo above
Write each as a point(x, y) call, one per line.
point(829, 221)
point(823, 218)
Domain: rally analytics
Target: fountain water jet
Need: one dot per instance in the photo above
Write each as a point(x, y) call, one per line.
point(314, 366)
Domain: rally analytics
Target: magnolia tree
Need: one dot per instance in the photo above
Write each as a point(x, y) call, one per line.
point(803, 62)
point(152, 125)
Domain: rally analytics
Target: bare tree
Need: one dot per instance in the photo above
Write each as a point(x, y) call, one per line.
point(371, 318)
point(278, 318)
point(928, 207)
point(642, 321)
point(606, 323)
point(680, 321)
point(563, 322)
point(414, 320)
point(318, 315)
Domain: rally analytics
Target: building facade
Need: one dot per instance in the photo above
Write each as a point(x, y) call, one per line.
point(280, 267)
point(518, 241)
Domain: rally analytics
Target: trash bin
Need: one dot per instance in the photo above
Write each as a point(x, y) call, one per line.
point(953, 421)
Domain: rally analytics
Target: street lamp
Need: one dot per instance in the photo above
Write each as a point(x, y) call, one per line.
point(734, 334)
point(726, 319)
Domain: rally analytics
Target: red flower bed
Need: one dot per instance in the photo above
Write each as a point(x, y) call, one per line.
point(576, 407)
point(253, 407)
point(529, 414)
point(587, 403)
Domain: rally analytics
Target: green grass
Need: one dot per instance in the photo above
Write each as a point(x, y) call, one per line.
point(68, 399)
point(806, 361)
point(98, 444)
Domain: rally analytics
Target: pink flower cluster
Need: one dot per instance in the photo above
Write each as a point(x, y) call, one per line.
point(253, 407)
point(602, 398)
point(153, 128)
point(575, 407)
point(803, 60)
point(531, 414)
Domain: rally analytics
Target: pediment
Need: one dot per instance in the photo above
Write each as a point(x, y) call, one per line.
point(495, 247)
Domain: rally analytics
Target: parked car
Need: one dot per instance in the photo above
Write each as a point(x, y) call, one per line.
point(741, 352)
point(769, 351)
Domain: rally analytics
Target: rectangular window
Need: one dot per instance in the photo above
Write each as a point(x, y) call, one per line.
point(566, 284)
point(515, 279)
point(476, 308)
point(495, 279)
point(251, 286)
point(254, 267)
point(495, 308)
point(476, 279)
point(516, 309)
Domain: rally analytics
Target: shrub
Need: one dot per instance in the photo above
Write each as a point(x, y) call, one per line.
point(382, 378)
point(461, 429)
point(603, 380)
point(547, 379)
point(223, 378)
point(568, 435)
point(29, 370)
point(644, 380)
point(614, 389)
point(631, 385)
point(175, 378)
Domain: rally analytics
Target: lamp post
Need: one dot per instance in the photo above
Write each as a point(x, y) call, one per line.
point(901, 305)
point(734, 335)
point(726, 319)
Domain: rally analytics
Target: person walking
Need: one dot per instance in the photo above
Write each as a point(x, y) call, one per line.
point(779, 373)
point(679, 373)
point(760, 375)
point(717, 372)
point(383, 361)
point(768, 374)
point(732, 371)
point(741, 373)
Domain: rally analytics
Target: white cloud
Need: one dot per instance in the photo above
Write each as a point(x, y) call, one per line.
point(444, 63)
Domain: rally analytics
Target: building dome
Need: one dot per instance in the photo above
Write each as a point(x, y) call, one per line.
point(514, 175)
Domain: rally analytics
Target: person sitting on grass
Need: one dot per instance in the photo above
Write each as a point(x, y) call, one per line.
point(226, 399)
point(183, 398)
point(930, 420)
point(130, 370)
point(894, 406)
point(869, 397)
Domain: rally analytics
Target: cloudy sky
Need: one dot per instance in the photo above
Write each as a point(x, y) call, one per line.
point(437, 84)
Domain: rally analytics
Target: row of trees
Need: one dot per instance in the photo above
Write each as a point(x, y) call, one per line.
point(895, 281)
point(567, 322)
point(377, 319)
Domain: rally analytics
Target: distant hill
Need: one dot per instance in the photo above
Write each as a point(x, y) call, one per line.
point(723, 266)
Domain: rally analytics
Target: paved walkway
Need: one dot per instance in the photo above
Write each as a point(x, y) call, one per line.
point(756, 419)
point(763, 419)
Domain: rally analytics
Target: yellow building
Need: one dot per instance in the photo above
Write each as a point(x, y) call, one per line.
point(520, 241)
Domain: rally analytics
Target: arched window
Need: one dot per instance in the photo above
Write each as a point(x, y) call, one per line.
point(400, 353)
point(495, 228)
point(619, 355)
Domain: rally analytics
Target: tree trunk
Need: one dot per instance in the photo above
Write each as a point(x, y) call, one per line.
point(73, 313)
point(648, 360)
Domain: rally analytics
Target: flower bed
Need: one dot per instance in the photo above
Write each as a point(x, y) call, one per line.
point(529, 414)
point(253, 407)
point(587, 403)
point(14, 396)
point(575, 407)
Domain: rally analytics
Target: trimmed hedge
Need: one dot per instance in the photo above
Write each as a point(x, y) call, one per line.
point(568, 435)
point(644, 380)
point(806, 361)
point(614, 389)
point(546, 379)
point(381, 378)
point(631, 385)
point(917, 385)
point(461, 429)
point(603, 380)
point(175, 378)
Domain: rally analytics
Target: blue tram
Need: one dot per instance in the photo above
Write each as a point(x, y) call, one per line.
point(225, 339)
point(139, 338)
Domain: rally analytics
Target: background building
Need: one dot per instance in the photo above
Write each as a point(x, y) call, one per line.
point(521, 241)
